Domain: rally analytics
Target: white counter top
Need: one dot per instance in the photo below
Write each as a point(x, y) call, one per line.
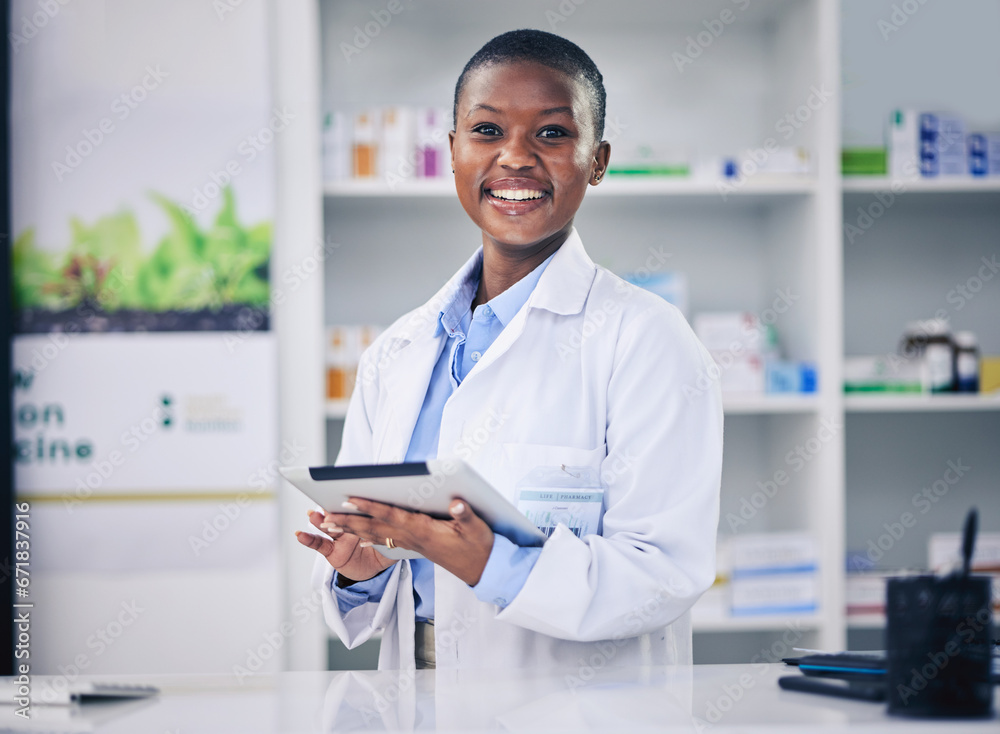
point(704, 698)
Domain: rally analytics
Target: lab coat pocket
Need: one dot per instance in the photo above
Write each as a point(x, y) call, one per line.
point(558, 485)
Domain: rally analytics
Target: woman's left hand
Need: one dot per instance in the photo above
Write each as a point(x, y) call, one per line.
point(461, 545)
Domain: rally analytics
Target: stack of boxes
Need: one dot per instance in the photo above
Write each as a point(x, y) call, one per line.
point(932, 144)
point(762, 574)
point(773, 573)
point(866, 585)
point(746, 353)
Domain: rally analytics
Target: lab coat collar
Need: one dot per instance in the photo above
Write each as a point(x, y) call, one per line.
point(562, 288)
point(565, 284)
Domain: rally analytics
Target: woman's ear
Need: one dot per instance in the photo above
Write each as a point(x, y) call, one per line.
point(602, 156)
point(451, 148)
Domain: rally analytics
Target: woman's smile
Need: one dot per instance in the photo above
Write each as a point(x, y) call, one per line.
point(516, 196)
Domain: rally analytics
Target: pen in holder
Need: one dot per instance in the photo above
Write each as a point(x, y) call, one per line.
point(938, 641)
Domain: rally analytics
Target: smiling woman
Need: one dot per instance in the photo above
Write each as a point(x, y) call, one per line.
point(558, 382)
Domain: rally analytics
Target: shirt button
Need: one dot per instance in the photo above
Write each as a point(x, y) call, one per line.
point(500, 601)
point(475, 356)
point(487, 311)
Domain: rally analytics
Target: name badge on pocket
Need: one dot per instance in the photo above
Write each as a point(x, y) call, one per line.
point(571, 495)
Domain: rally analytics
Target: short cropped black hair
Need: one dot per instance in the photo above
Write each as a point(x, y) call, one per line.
point(544, 48)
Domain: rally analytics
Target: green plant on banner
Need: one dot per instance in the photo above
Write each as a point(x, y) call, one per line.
point(193, 269)
point(105, 269)
point(35, 274)
point(101, 264)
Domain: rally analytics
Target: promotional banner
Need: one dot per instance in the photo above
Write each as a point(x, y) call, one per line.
point(144, 368)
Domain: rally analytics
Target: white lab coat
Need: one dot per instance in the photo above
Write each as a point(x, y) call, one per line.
point(591, 372)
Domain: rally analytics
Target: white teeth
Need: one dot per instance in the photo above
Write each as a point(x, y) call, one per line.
point(517, 194)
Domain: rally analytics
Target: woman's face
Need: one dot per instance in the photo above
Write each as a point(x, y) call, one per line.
point(524, 150)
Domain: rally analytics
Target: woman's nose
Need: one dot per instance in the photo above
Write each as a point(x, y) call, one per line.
point(517, 152)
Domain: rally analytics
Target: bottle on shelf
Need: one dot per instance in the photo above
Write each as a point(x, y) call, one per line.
point(336, 164)
point(365, 145)
point(966, 362)
point(930, 341)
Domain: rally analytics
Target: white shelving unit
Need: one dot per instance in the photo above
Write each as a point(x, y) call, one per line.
point(394, 246)
point(921, 403)
point(739, 247)
point(957, 185)
point(908, 265)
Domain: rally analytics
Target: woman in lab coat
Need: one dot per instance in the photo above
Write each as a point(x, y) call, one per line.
point(581, 373)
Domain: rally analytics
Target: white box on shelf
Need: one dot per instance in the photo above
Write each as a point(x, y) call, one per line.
point(398, 160)
point(788, 552)
point(743, 374)
point(774, 573)
point(726, 330)
point(336, 147)
point(943, 150)
point(903, 144)
point(984, 154)
point(781, 161)
point(777, 593)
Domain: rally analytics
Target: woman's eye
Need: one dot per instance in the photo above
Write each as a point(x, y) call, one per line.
point(552, 132)
point(486, 129)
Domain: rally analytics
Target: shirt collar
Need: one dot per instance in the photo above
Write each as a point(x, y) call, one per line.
point(504, 306)
point(457, 304)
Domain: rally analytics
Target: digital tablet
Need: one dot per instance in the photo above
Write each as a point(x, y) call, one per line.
point(425, 487)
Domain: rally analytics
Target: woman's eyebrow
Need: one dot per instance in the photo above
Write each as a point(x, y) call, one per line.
point(564, 110)
point(477, 107)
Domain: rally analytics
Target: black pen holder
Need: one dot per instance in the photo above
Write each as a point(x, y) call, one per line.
point(938, 643)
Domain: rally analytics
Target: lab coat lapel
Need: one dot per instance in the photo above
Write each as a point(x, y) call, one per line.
point(405, 370)
point(562, 289)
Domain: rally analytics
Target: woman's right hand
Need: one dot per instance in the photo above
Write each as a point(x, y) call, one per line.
point(342, 549)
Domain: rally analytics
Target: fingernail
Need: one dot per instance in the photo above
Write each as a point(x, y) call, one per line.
point(366, 544)
point(349, 506)
point(330, 526)
point(458, 509)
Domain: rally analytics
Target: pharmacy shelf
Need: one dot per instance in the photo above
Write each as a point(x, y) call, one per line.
point(769, 404)
point(428, 187)
point(759, 186)
point(757, 623)
point(903, 403)
point(956, 185)
point(772, 185)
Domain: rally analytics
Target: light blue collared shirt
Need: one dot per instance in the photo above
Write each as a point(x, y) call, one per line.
point(465, 337)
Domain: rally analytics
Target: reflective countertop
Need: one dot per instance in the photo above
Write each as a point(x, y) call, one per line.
point(702, 698)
